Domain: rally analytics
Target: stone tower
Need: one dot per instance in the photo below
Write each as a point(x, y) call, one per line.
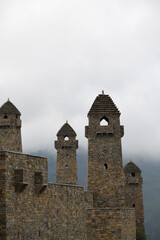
point(134, 194)
point(105, 170)
point(66, 146)
point(10, 128)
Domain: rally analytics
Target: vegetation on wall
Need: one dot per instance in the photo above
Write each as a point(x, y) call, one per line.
point(140, 235)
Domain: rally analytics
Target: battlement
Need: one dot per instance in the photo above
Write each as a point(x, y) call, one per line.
point(23, 171)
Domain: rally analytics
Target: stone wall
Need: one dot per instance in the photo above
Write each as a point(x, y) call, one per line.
point(133, 192)
point(2, 197)
point(10, 128)
point(105, 170)
point(10, 133)
point(38, 210)
point(66, 171)
point(111, 224)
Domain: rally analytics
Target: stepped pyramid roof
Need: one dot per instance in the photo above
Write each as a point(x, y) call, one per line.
point(8, 107)
point(103, 104)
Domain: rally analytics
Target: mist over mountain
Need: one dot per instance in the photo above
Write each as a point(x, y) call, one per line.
point(151, 186)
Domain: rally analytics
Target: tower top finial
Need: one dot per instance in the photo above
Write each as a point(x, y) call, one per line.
point(66, 121)
point(103, 92)
point(8, 99)
point(131, 160)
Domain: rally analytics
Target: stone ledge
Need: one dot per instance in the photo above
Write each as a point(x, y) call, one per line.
point(68, 185)
point(112, 208)
point(4, 153)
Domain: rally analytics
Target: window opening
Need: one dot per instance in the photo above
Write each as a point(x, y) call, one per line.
point(133, 174)
point(39, 233)
point(105, 166)
point(104, 121)
point(66, 166)
point(133, 205)
point(66, 138)
point(5, 116)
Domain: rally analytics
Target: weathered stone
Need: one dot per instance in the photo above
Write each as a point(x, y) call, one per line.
point(10, 128)
point(66, 146)
point(133, 192)
point(31, 208)
point(105, 170)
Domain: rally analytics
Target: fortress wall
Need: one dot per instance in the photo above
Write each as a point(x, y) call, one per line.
point(111, 224)
point(89, 199)
point(26, 208)
point(2, 197)
point(56, 212)
point(69, 204)
point(129, 224)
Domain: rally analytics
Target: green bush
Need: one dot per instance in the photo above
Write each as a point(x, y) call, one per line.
point(140, 235)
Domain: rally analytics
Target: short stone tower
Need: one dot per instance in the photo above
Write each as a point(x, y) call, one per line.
point(134, 194)
point(105, 170)
point(10, 128)
point(66, 146)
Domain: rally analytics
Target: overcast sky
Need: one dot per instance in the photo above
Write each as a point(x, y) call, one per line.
point(56, 56)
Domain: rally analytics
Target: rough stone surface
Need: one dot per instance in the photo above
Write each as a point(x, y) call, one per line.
point(57, 212)
point(133, 192)
point(110, 223)
point(31, 208)
point(66, 146)
point(105, 170)
point(3, 211)
point(10, 128)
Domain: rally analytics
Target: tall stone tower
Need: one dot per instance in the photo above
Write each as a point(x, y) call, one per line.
point(105, 171)
point(133, 192)
point(10, 128)
point(66, 146)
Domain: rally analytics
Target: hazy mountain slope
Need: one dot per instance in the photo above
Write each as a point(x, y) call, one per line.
point(151, 193)
point(151, 187)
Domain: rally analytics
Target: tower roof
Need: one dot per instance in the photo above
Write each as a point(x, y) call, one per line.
point(66, 130)
point(131, 167)
point(103, 104)
point(8, 107)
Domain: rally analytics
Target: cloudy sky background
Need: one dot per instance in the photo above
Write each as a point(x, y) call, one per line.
point(56, 56)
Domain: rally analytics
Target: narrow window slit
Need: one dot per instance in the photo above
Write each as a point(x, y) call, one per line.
point(105, 166)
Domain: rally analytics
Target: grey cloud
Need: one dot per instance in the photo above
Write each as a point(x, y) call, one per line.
point(57, 56)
